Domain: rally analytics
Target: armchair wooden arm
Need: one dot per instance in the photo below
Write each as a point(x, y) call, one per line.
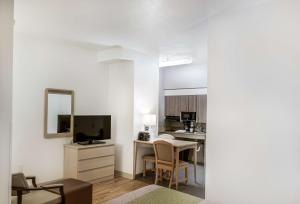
point(60, 188)
point(50, 186)
point(33, 180)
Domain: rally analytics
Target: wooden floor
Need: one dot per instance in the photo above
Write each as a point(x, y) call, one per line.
point(108, 190)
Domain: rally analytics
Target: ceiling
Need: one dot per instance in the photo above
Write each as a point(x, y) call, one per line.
point(165, 26)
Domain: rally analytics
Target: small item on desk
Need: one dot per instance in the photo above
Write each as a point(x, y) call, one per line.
point(144, 136)
point(191, 127)
point(180, 131)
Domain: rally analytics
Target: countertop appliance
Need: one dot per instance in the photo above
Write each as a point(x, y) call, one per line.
point(188, 116)
point(189, 121)
point(144, 136)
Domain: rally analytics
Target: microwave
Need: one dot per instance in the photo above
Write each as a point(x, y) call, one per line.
point(188, 116)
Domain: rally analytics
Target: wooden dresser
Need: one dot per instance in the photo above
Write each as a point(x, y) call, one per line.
point(91, 163)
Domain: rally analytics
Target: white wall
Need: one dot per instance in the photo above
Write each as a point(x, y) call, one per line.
point(253, 140)
point(120, 106)
point(6, 58)
point(43, 63)
point(133, 92)
point(125, 89)
point(146, 93)
point(184, 76)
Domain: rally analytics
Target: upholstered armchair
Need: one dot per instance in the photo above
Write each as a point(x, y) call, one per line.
point(22, 193)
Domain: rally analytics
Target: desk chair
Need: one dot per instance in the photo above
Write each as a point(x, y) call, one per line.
point(165, 161)
point(151, 158)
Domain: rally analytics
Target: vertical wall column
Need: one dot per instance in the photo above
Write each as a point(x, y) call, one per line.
point(120, 106)
point(133, 92)
point(6, 58)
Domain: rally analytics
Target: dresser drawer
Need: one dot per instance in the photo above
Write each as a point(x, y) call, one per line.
point(95, 152)
point(94, 163)
point(96, 173)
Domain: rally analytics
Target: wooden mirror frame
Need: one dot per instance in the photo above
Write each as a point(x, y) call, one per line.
point(63, 92)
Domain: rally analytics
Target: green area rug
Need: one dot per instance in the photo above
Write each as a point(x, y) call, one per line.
point(166, 196)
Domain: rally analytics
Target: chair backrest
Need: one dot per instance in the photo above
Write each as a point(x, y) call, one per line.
point(164, 152)
point(19, 181)
point(166, 136)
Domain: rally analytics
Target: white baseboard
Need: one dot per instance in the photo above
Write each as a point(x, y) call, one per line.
point(123, 174)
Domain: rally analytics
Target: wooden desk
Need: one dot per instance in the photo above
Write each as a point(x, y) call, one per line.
point(179, 145)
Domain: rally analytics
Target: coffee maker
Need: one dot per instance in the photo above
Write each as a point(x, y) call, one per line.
point(189, 121)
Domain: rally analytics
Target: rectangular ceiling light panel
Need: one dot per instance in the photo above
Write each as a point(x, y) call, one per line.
point(167, 61)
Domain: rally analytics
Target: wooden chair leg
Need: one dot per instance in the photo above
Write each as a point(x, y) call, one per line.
point(171, 179)
point(19, 194)
point(144, 171)
point(156, 176)
point(160, 175)
point(186, 175)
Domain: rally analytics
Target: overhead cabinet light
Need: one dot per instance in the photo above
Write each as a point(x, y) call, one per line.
point(174, 61)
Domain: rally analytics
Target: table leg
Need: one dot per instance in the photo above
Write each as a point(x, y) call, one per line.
point(195, 163)
point(134, 159)
point(177, 167)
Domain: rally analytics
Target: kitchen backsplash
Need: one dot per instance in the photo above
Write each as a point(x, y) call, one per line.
point(173, 126)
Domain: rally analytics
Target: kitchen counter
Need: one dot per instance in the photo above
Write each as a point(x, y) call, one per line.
point(197, 137)
point(187, 135)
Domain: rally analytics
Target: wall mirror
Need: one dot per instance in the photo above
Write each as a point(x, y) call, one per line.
point(59, 111)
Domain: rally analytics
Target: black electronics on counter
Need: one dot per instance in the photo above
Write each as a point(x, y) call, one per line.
point(144, 136)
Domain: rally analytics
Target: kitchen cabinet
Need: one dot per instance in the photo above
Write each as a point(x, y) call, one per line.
point(168, 105)
point(184, 104)
point(176, 109)
point(201, 108)
point(192, 103)
point(174, 105)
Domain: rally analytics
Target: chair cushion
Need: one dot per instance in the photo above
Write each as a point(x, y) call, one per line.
point(38, 197)
point(183, 163)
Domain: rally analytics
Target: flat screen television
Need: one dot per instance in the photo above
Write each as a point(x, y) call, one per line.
point(92, 129)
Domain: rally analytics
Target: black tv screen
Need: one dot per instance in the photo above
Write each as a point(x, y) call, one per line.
point(63, 123)
point(96, 127)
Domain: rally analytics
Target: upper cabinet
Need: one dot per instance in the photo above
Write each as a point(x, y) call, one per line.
point(167, 105)
point(184, 103)
point(174, 105)
point(201, 108)
point(192, 103)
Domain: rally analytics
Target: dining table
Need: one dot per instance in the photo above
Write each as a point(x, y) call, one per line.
point(179, 145)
